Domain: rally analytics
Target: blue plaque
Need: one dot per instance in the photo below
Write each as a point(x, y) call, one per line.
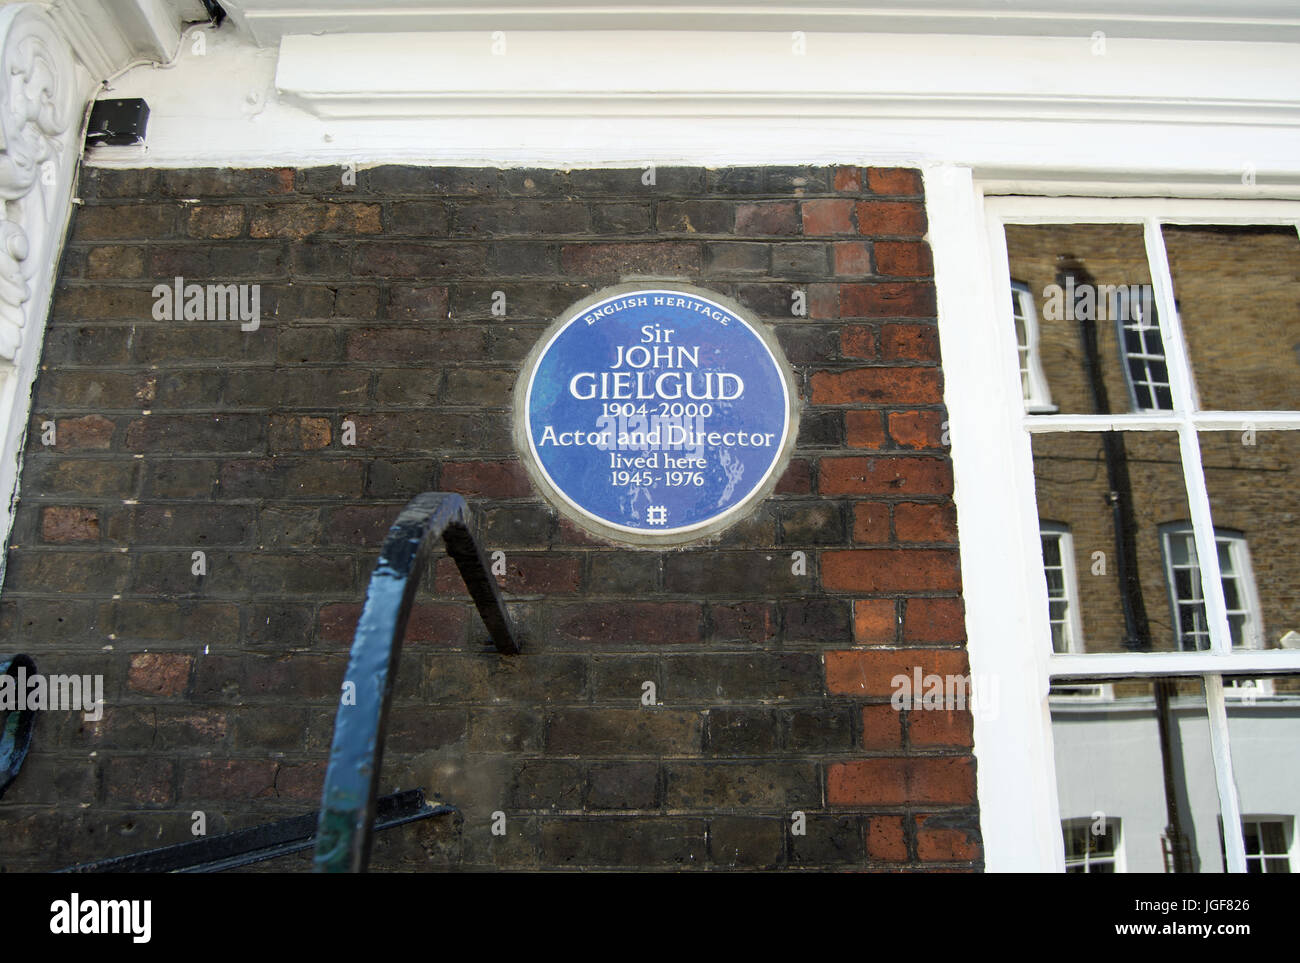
point(655, 414)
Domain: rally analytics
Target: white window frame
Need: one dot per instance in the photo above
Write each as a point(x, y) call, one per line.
point(1038, 397)
point(1007, 618)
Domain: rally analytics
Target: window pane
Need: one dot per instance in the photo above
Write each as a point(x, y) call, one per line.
point(1140, 760)
point(1253, 480)
point(1124, 599)
point(1238, 292)
point(1264, 731)
point(1099, 341)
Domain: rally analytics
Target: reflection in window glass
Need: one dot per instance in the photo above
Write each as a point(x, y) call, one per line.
point(1116, 544)
point(1145, 367)
point(1237, 299)
point(1253, 479)
point(1142, 758)
point(1183, 574)
point(1098, 347)
point(1264, 732)
point(1091, 845)
point(1062, 586)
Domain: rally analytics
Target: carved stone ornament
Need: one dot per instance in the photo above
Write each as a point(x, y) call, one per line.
point(37, 99)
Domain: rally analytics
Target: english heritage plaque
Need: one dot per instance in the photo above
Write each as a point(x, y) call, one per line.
point(655, 415)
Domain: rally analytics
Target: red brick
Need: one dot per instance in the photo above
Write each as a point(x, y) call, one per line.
point(767, 218)
point(60, 524)
point(489, 479)
point(874, 621)
point(865, 429)
point(895, 782)
point(894, 180)
point(828, 217)
point(916, 429)
point(867, 672)
point(882, 727)
point(886, 839)
point(901, 218)
point(909, 342)
point(858, 341)
point(934, 620)
point(925, 523)
point(877, 386)
point(797, 479)
point(930, 728)
point(941, 844)
point(885, 475)
point(871, 523)
point(159, 673)
point(903, 259)
point(887, 299)
point(877, 570)
point(89, 431)
point(852, 257)
point(848, 179)
point(823, 301)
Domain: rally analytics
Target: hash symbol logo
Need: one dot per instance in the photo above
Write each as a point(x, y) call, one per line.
point(656, 514)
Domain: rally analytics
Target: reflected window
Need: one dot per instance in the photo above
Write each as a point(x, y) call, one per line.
point(1142, 349)
point(1185, 595)
point(1091, 845)
point(1033, 383)
point(1062, 587)
point(1268, 843)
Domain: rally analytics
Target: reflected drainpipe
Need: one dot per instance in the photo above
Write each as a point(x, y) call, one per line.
point(1071, 275)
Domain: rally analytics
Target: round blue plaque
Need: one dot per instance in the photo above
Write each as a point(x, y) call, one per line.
point(655, 414)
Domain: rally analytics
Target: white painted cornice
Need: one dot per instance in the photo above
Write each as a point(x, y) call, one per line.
point(1239, 20)
point(42, 93)
point(661, 73)
point(108, 37)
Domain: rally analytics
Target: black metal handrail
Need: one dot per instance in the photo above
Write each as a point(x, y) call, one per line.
point(352, 779)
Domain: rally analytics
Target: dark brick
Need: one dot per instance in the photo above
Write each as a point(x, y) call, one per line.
point(648, 257)
point(695, 217)
point(669, 842)
point(623, 785)
point(746, 842)
point(743, 732)
point(639, 731)
point(735, 785)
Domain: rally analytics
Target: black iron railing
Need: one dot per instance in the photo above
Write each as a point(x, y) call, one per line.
point(348, 800)
point(350, 813)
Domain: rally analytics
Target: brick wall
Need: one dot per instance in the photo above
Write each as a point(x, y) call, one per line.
point(182, 436)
